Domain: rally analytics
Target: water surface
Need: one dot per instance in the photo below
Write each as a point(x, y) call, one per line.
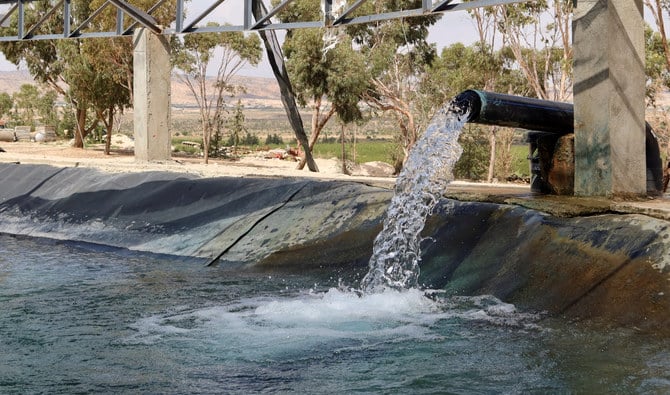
point(76, 320)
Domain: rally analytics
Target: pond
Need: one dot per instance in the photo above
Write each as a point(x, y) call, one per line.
point(78, 319)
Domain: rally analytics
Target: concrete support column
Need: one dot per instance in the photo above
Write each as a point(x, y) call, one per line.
point(151, 92)
point(609, 98)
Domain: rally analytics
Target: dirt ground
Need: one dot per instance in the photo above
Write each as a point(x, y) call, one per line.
point(121, 159)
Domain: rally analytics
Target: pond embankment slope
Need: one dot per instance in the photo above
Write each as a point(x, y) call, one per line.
point(592, 259)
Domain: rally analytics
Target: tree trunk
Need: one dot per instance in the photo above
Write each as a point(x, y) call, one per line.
point(661, 29)
point(318, 123)
point(354, 157)
point(206, 135)
point(344, 153)
point(110, 126)
point(81, 132)
point(492, 153)
point(275, 57)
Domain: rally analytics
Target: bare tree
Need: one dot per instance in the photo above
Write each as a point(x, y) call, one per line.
point(539, 36)
point(193, 57)
point(657, 8)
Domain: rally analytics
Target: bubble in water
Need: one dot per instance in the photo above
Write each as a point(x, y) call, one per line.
point(396, 253)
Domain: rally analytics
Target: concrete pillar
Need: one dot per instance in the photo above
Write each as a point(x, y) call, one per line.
point(151, 92)
point(609, 98)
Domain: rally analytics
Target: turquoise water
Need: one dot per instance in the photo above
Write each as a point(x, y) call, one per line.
point(77, 320)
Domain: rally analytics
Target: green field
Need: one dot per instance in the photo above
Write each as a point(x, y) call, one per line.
point(363, 151)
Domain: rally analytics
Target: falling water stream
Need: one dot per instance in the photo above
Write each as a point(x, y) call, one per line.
point(427, 172)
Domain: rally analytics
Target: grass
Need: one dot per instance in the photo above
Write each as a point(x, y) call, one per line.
point(365, 151)
point(520, 163)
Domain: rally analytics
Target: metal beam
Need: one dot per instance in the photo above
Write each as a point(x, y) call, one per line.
point(248, 14)
point(140, 16)
point(143, 18)
point(67, 12)
point(4, 21)
point(345, 14)
point(191, 26)
point(77, 31)
point(131, 28)
point(21, 24)
point(263, 21)
point(442, 6)
point(179, 16)
point(44, 18)
point(469, 5)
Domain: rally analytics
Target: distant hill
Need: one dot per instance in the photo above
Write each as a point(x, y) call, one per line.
point(260, 92)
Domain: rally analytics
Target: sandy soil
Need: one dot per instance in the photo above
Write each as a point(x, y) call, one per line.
point(61, 154)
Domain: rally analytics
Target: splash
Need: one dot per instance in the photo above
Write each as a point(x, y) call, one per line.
point(396, 253)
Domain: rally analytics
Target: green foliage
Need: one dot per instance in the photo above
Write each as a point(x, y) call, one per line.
point(658, 77)
point(473, 163)
point(6, 104)
point(461, 67)
point(274, 139)
point(215, 143)
point(93, 75)
point(250, 139)
point(25, 100)
point(237, 126)
point(338, 73)
point(520, 162)
point(46, 109)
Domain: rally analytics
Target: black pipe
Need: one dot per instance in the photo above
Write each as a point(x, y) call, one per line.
point(491, 108)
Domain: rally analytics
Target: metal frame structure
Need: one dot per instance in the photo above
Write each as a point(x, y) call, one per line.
point(139, 17)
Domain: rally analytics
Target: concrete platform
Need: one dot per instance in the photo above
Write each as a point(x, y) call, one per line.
point(560, 206)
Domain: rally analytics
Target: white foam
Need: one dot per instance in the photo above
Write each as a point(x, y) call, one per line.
point(312, 320)
point(339, 306)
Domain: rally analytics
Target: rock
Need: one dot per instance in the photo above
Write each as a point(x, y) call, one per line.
point(22, 133)
point(7, 135)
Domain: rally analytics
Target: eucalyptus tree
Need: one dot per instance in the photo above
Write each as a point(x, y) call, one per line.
point(538, 34)
point(45, 62)
point(329, 79)
point(193, 55)
point(660, 11)
point(396, 53)
point(94, 76)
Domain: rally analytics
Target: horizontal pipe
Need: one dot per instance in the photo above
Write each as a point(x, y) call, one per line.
point(491, 108)
point(516, 111)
